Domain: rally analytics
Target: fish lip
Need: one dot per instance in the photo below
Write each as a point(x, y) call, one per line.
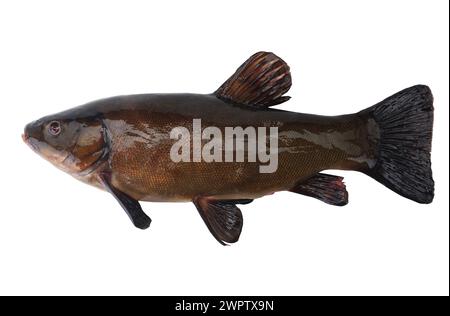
point(29, 141)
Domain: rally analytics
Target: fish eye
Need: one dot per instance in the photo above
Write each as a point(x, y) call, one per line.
point(54, 128)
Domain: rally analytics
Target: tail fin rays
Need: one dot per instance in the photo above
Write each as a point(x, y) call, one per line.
point(403, 160)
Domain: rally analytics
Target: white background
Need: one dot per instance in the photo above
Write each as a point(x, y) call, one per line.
point(60, 236)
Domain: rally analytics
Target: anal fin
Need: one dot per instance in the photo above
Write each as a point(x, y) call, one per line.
point(327, 188)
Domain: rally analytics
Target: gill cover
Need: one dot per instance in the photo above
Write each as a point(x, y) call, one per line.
point(91, 148)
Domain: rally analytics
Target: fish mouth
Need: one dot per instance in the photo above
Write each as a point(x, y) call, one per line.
point(30, 142)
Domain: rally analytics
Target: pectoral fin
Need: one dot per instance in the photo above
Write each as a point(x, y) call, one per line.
point(223, 218)
point(130, 205)
point(261, 81)
point(327, 188)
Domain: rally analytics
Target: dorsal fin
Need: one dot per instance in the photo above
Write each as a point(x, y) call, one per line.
point(260, 81)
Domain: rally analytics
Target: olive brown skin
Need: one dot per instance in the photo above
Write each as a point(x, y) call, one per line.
point(130, 136)
point(124, 144)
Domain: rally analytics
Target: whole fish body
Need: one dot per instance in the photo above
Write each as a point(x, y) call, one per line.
point(123, 145)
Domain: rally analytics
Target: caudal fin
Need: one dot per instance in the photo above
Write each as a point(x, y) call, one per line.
point(405, 122)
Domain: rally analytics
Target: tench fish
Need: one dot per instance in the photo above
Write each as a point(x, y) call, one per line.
point(227, 148)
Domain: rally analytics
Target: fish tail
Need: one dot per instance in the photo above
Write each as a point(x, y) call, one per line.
point(404, 124)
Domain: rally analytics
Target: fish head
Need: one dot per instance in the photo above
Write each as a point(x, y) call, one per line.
point(73, 145)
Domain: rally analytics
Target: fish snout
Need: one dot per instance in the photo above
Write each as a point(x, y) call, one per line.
point(32, 135)
point(32, 130)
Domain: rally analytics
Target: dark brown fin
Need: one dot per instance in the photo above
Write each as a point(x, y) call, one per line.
point(405, 122)
point(130, 205)
point(223, 218)
point(327, 188)
point(242, 201)
point(260, 81)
